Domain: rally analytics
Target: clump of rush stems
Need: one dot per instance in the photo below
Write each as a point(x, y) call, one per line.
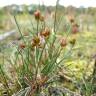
point(36, 57)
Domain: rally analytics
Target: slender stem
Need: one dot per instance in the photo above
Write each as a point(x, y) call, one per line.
point(19, 29)
point(36, 63)
point(37, 26)
point(55, 16)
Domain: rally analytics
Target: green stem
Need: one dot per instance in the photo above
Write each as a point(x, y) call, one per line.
point(19, 29)
point(37, 27)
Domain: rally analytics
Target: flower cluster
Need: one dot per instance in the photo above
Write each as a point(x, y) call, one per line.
point(38, 16)
point(75, 26)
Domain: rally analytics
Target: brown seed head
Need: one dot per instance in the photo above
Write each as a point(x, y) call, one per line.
point(42, 18)
point(72, 20)
point(37, 15)
point(75, 28)
point(63, 42)
point(22, 46)
point(45, 32)
point(73, 41)
point(35, 41)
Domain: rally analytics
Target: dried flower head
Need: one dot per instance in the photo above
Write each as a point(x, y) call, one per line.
point(37, 15)
point(42, 18)
point(71, 19)
point(22, 46)
point(45, 32)
point(63, 42)
point(73, 41)
point(35, 41)
point(75, 28)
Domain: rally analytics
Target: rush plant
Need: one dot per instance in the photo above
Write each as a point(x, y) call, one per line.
point(39, 55)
